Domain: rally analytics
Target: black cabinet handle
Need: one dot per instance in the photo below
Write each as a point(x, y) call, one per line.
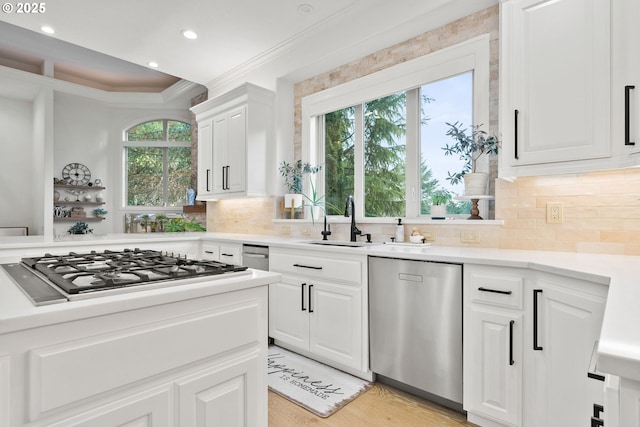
point(310, 291)
point(224, 186)
point(536, 347)
point(596, 422)
point(511, 361)
point(227, 179)
point(208, 172)
point(627, 118)
point(307, 266)
point(495, 291)
point(597, 410)
point(515, 134)
point(302, 307)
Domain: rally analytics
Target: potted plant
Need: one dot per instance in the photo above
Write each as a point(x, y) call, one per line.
point(469, 149)
point(80, 227)
point(99, 212)
point(161, 219)
point(439, 200)
point(293, 177)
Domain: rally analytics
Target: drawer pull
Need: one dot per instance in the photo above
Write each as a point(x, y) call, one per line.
point(511, 361)
point(495, 291)
point(226, 254)
point(208, 252)
point(307, 266)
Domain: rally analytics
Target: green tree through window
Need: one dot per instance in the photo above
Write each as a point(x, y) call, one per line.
point(158, 163)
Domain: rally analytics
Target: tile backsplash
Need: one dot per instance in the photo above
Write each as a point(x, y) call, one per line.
point(600, 215)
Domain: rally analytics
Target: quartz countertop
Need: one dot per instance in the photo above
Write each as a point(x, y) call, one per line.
point(619, 347)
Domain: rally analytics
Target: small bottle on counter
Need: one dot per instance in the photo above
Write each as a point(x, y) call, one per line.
point(400, 231)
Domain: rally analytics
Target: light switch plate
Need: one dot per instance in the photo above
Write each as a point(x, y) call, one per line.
point(469, 237)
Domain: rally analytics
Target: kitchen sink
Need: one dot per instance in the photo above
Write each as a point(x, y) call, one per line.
point(341, 243)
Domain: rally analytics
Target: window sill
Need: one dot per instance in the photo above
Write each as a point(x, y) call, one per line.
point(406, 221)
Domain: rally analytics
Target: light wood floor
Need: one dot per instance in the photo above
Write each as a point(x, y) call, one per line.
point(380, 406)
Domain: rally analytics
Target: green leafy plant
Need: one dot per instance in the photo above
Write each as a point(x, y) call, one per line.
point(440, 197)
point(181, 225)
point(294, 174)
point(99, 212)
point(314, 200)
point(161, 219)
point(80, 227)
point(468, 148)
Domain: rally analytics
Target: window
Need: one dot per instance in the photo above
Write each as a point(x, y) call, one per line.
point(381, 137)
point(158, 163)
point(383, 141)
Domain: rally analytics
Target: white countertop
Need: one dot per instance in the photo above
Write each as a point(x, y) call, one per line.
point(619, 349)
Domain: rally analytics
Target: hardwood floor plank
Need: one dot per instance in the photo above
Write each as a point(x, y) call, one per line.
point(380, 406)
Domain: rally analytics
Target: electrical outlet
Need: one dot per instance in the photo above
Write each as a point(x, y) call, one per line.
point(554, 213)
point(428, 236)
point(469, 237)
point(285, 230)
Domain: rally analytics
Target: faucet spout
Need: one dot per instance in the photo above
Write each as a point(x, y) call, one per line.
point(351, 207)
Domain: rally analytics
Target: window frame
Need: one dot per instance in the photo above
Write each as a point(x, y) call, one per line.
point(165, 144)
point(470, 55)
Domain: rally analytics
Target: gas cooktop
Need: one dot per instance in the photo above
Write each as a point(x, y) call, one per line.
point(76, 274)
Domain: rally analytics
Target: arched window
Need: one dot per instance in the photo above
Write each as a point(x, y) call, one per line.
point(157, 163)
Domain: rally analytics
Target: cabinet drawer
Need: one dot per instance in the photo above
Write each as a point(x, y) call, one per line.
point(230, 255)
point(210, 252)
point(494, 289)
point(319, 267)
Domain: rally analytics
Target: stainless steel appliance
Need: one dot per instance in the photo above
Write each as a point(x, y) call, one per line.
point(416, 326)
point(255, 256)
point(58, 278)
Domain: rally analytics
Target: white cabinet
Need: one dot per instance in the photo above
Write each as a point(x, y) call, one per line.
point(197, 361)
point(555, 84)
point(532, 372)
point(235, 143)
point(205, 160)
point(229, 253)
point(493, 359)
point(319, 308)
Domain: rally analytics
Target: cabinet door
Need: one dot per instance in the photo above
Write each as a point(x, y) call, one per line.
point(289, 312)
point(556, 81)
point(335, 313)
point(219, 138)
point(236, 151)
point(494, 365)
point(205, 159)
point(219, 396)
point(564, 327)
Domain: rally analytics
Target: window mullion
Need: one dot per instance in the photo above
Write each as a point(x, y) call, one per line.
point(358, 161)
point(412, 172)
point(165, 177)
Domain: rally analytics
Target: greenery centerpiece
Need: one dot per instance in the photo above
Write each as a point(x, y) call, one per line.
point(80, 227)
point(469, 148)
point(439, 200)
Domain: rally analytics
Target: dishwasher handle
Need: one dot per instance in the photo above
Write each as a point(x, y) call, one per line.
point(255, 255)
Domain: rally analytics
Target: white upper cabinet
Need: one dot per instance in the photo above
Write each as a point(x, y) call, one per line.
point(235, 142)
point(564, 68)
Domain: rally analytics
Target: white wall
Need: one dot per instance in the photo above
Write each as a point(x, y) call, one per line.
point(16, 163)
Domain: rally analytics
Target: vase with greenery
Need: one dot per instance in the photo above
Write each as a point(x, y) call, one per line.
point(469, 147)
point(293, 179)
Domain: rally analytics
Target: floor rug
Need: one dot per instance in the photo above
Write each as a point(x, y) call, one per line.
point(318, 388)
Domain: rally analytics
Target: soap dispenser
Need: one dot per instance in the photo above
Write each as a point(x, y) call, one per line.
point(400, 231)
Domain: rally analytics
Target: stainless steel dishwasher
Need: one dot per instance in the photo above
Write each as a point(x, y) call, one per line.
point(416, 326)
point(255, 256)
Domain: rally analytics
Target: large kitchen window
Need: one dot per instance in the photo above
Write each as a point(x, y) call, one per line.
point(381, 137)
point(157, 163)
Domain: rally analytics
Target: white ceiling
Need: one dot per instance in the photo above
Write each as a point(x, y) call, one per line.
point(236, 37)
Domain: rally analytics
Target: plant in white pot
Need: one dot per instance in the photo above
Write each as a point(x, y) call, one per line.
point(469, 148)
point(439, 200)
point(293, 177)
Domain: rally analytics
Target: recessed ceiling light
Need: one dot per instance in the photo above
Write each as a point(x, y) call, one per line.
point(305, 9)
point(191, 35)
point(153, 64)
point(47, 29)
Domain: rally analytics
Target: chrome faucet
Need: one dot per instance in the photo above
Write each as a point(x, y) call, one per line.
point(351, 206)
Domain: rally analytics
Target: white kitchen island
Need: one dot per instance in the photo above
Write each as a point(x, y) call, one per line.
point(193, 353)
